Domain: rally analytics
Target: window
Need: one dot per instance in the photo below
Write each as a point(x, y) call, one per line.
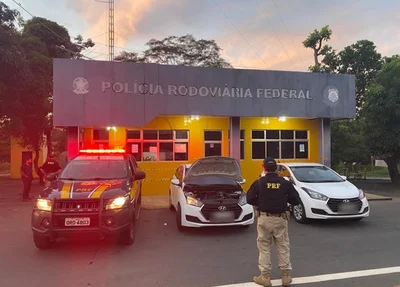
point(241, 143)
point(100, 135)
point(212, 143)
point(279, 144)
point(158, 145)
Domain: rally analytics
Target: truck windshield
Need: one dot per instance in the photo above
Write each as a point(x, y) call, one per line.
point(95, 170)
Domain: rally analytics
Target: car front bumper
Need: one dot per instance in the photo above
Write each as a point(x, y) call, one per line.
point(98, 226)
point(317, 209)
point(192, 216)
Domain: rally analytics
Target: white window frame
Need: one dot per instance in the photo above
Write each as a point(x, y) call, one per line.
point(280, 140)
point(174, 140)
point(213, 142)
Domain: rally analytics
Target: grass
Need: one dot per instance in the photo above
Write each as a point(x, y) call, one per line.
point(4, 167)
point(377, 171)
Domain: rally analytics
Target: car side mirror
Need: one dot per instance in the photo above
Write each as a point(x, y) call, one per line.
point(51, 177)
point(139, 175)
point(343, 177)
point(175, 181)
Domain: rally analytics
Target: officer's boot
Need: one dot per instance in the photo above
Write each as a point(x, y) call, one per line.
point(264, 280)
point(286, 278)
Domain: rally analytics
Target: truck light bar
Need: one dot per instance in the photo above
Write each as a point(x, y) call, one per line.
point(102, 151)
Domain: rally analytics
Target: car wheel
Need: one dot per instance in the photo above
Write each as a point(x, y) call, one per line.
point(171, 206)
point(299, 213)
point(127, 237)
point(42, 242)
point(179, 219)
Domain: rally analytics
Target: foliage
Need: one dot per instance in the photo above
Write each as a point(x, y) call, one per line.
point(26, 75)
point(183, 50)
point(347, 143)
point(360, 59)
point(381, 112)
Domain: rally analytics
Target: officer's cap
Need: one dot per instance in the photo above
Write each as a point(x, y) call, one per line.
point(270, 163)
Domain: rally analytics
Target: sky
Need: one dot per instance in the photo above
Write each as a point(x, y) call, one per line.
point(253, 34)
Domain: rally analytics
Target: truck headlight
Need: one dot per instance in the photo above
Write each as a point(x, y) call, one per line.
point(242, 200)
point(361, 194)
point(315, 195)
point(116, 203)
point(43, 204)
point(193, 201)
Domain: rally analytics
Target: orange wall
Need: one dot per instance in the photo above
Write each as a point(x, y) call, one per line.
point(158, 174)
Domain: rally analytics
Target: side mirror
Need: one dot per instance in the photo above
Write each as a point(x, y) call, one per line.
point(139, 175)
point(343, 177)
point(175, 181)
point(51, 177)
point(243, 181)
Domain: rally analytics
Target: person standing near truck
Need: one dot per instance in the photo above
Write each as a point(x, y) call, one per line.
point(27, 178)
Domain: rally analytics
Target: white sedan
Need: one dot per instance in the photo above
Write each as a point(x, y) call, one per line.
point(209, 193)
point(324, 193)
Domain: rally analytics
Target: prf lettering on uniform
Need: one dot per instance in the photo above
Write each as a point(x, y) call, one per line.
point(273, 185)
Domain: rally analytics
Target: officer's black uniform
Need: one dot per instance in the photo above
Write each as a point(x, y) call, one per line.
point(271, 194)
point(50, 166)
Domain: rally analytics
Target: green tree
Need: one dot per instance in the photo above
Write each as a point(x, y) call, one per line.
point(314, 41)
point(347, 143)
point(381, 112)
point(26, 75)
point(362, 60)
point(183, 50)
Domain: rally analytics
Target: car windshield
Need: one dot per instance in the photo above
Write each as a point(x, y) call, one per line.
point(315, 174)
point(95, 170)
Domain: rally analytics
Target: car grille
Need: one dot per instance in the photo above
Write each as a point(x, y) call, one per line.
point(210, 208)
point(333, 203)
point(62, 206)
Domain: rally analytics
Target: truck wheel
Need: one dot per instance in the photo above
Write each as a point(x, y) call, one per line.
point(127, 237)
point(42, 242)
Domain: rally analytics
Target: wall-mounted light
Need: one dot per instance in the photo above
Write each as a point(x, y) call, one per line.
point(265, 121)
point(112, 128)
point(282, 119)
point(194, 118)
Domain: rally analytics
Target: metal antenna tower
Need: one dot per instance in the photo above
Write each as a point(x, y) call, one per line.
point(110, 28)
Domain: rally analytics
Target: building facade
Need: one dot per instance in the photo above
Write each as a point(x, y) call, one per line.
point(169, 115)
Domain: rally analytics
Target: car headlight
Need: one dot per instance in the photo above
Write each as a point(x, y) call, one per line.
point(242, 200)
point(361, 194)
point(193, 201)
point(315, 195)
point(43, 204)
point(118, 202)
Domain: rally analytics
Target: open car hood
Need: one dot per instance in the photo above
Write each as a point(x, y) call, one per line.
point(215, 165)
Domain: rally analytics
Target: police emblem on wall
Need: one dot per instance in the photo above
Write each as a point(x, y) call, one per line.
point(331, 95)
point(80, 86)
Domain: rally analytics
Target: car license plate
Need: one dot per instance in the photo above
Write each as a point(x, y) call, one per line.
point(82, 221)
point(347, 208)
point(222, 217)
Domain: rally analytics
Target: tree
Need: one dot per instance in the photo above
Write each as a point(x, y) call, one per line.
point(27, 73)
point(347, 143)
point(183, 50)
point(363, 60)
point(314, 41)
point(381, 113)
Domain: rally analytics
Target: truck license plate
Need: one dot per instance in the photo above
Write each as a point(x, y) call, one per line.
point(85, 221)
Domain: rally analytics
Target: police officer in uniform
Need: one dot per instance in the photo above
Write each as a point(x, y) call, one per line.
point(270, 195)
point(50, 166)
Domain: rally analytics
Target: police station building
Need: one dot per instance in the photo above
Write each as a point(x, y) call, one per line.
point(169, 115)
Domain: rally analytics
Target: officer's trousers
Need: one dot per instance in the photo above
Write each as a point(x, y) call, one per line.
point(273, 230)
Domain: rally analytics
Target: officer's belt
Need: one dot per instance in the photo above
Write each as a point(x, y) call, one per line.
point(272, 214)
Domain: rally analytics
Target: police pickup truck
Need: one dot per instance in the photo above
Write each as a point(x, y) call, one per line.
point(98, 192)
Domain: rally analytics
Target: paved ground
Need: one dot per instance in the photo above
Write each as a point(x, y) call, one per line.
point(164, 257)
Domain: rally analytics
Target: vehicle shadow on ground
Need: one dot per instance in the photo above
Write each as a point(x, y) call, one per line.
point(337, 223)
